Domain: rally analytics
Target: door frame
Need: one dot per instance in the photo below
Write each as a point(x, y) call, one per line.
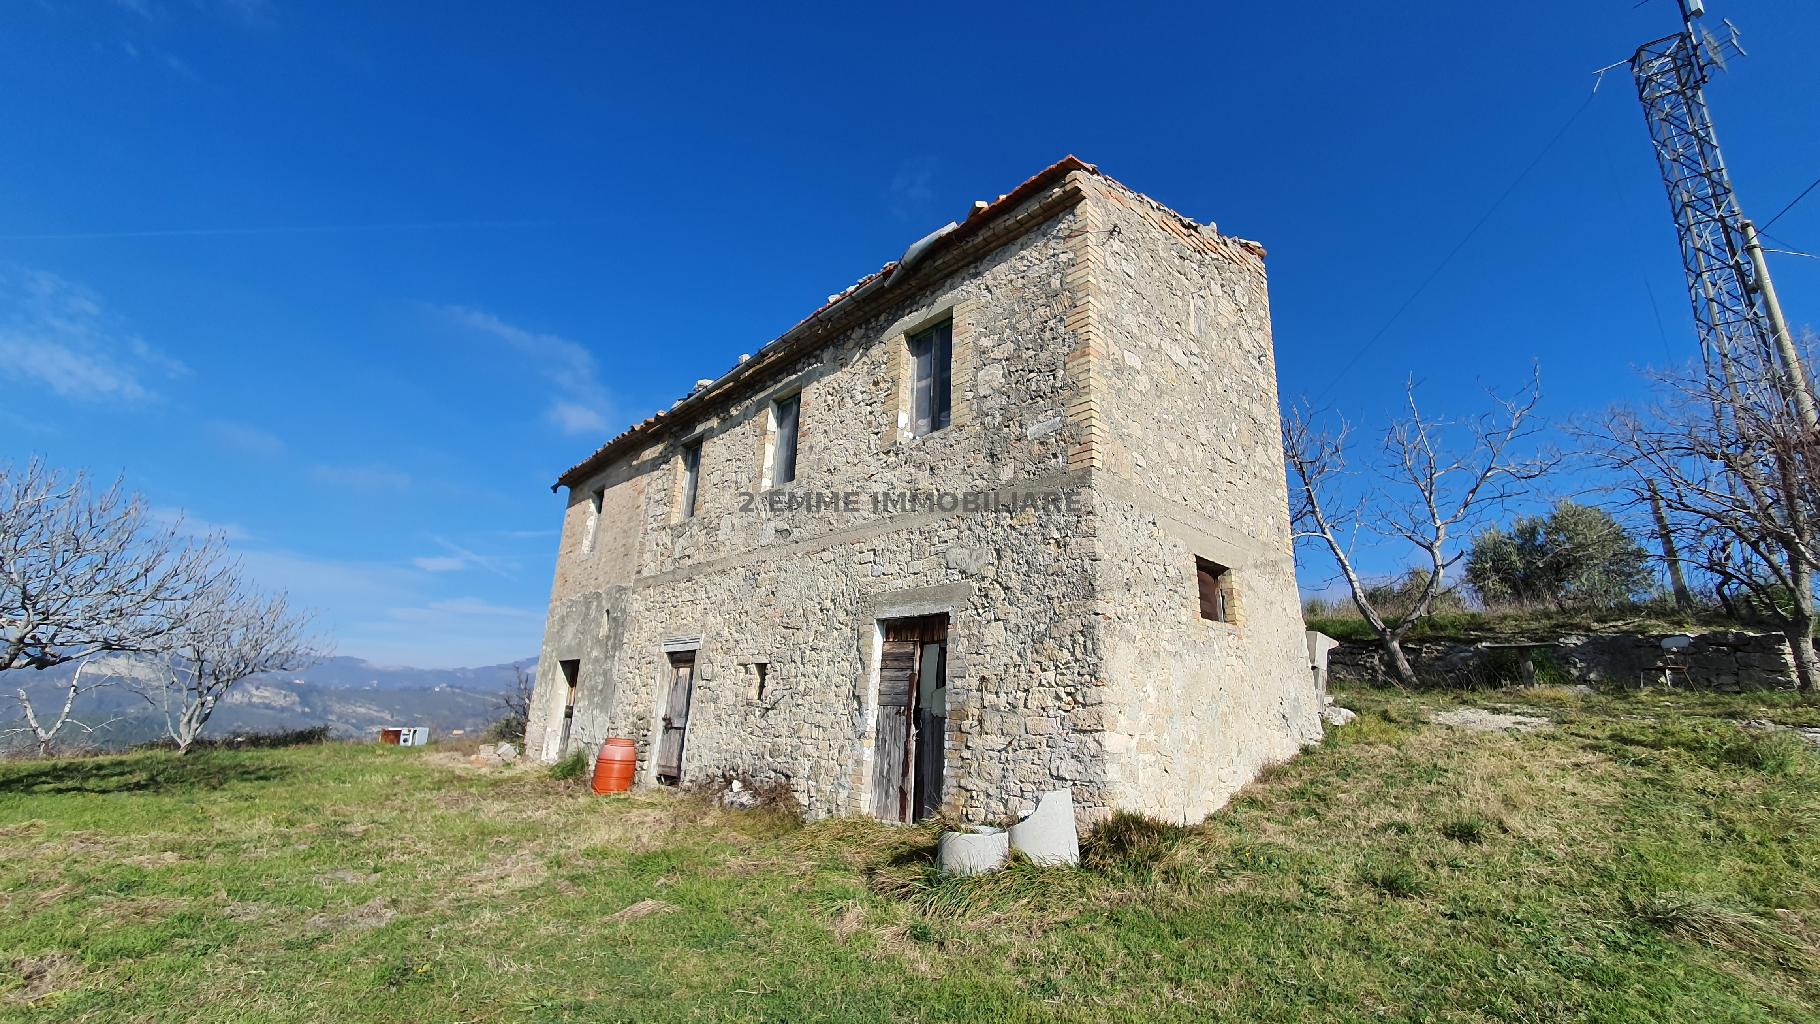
point(913, 761)
point(556, 693)
point(673, 652)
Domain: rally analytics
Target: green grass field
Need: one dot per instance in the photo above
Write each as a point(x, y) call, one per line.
point(1644, 859)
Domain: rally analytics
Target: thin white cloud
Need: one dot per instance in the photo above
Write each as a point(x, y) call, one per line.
point(243, 438)
point(259, 14)
point(58, 334)
point(457, 558)
point(463, 607)
point(577, 419)
point(440, 563)
point(911, 191)
point(580, 404)
point(389, 613)
point(361, 478)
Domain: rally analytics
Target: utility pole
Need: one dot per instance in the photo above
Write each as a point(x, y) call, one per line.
point(1671, 554)
point(1792, 369)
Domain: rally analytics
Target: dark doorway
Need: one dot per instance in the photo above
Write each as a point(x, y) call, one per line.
point(909, 748)
point(571, 675)
point(676, 718)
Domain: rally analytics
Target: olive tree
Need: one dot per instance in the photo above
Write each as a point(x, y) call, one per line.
point(1577, 555)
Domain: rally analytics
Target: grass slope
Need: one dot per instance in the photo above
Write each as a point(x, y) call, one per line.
point(1643, 859)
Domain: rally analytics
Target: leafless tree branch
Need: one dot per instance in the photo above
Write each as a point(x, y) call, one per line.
point(85, 572)
point(229, 632)
point(1435, 479)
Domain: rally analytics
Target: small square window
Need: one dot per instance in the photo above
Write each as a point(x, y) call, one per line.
point(931, 378)
point(786, 414)
point(691, 464)
point(1214, 583)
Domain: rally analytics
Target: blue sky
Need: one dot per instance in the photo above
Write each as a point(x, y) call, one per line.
point(355, 281)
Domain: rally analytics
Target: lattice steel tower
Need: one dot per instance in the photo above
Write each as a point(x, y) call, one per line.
point(1735, 309)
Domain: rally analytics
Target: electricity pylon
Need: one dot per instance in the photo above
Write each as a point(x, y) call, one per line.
point(1736, 313)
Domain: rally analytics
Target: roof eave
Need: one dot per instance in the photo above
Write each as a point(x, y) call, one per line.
point(862, 293)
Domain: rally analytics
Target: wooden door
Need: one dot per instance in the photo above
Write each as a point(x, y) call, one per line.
point(909, 743)
point(676, 718)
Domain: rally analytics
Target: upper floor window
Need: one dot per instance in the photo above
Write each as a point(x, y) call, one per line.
point(931, 378)
point(1214, 581)
point(785, 414)
point(691, 464)
point(596, 502)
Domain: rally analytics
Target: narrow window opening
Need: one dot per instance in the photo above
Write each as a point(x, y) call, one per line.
point(691, 457)
point(932, 378)
point(787, 414)
point(596, 502)
point(760, 673)
point(1214, 582)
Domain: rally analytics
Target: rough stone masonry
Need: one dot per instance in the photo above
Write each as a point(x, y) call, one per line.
point(1098, 538)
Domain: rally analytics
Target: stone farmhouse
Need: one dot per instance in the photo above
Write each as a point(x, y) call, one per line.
point(1008, 515)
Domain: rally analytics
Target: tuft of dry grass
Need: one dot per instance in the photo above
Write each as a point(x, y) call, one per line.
point(1701, 918)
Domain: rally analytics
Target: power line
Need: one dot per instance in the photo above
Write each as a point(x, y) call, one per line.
point(1461, 244)
point(1635, 246)
point(1791, 205)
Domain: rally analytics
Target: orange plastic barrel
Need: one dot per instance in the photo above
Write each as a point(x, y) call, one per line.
point(614, 767)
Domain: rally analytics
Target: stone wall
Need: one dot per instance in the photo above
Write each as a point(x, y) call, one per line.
point(1076, 657)
point(1729, 660)
point(802, 588)
point(1192, 467)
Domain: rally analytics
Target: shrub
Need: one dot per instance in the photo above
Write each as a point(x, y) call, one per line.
point(1130, 844)
point(1503, 666)
point(569, 768)
point(307, 736)
point(1577, 555)
point(510, 729)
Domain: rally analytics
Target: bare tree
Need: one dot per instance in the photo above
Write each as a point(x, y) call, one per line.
point(1736, 473)
point(514, 705)
point(1434, 482)
point(229, 632)
point(83, 573)
point(44, 730)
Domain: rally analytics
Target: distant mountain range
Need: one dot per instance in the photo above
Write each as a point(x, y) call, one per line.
point(354, 698)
